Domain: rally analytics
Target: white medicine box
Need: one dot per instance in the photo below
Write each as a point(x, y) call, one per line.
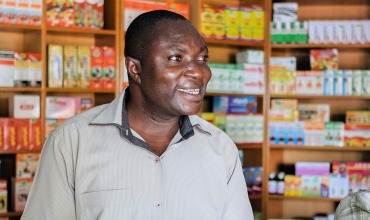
point(26, 106)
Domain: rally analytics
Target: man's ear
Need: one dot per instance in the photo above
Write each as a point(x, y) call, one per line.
point(133, 68)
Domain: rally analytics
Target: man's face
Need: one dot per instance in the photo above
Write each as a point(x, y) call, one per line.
point(174, 71)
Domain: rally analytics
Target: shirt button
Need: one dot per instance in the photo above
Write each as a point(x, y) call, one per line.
point(156, 160)
point(159, 205)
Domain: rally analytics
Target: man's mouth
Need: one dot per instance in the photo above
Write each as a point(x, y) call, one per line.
point(190, 91)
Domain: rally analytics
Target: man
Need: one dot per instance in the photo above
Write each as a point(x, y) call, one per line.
point(355, 206)
point(145, 155)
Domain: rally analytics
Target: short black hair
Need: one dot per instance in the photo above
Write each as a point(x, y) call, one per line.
point(140, 33)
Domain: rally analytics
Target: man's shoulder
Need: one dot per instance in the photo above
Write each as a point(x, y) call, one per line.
point(205, 125)
point(214, 132)
point(80, 120)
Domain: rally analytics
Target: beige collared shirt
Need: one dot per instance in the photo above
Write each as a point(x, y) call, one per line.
point(94, 167)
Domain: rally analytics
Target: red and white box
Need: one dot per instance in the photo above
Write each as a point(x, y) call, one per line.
point(26, 106)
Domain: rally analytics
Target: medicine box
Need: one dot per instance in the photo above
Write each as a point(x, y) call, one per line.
point(109, 68)
point(35, 134)
point(26, 165)
point(312, 168)
point(10, 136)
point(26, 106)
point(55, 66)
point(70, 76)
point(97, 62)
point(83, 66)
point(6, 68)
point(20, 69)
point(20, 190)
point(60, 107)
point(34, 69)
point(235, 104)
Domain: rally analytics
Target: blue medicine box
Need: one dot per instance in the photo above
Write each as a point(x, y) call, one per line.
point(235, 104)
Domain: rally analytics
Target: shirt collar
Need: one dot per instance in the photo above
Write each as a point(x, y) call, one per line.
point(115, 113)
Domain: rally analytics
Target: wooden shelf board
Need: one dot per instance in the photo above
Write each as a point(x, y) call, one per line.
point(11, 214)
point(247, 146)
point(299, 46)
point(20, 89)
point(277, 197)
point(85, 31)
point(231, 94)
point(80, 90)
point(243, 43)
point(318, 148)
point(19, 27)
point(254, 197)
point(20, 151)
point(327, 97)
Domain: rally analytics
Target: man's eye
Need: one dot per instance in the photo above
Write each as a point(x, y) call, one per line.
point(174, 58)
point(203, 58)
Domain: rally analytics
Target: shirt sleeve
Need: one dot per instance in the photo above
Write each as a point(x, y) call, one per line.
point(52, 191)
point(237, 206)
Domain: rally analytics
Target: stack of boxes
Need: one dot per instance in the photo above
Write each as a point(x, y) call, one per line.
point(314, 179)
point(286, 28)
point(26, 165)
point(81, 67)
point(237, 117)
point(20, 69)
point(134, 8)
point(309, 125)
point(22, 131)
point(75, 13)
point(324, 79)
point(23, 12)
point(234, 23)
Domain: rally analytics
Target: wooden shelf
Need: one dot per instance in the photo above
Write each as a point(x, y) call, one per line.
point(277, 197)
point(242, 43)
point(231, 94)
point(255, 197)
point(11, 214)
point(327, 97)
point(300, 46)
point(20, 152)
point(19, 27)
point(246, 146)
point(20, 89)
point(318, 148)
point(84, 31)
point(79, 90)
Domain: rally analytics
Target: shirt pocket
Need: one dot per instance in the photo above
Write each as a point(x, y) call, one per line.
point(107, 205)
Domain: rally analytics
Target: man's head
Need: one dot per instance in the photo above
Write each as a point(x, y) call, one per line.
point(166, 61)
point(141, 32)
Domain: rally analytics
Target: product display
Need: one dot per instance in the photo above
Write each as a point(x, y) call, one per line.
point(298, 95)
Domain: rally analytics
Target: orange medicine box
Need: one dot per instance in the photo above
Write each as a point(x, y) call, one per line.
point(97, 62)
point(22, 133)
point(10, 140)
point(35, 138)
point(109, 68)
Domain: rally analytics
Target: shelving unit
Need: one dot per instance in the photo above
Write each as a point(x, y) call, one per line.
point(351, 56)
point(25, 38)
